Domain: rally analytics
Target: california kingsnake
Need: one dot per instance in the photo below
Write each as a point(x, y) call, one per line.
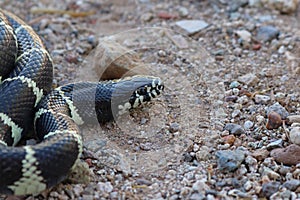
point(27, 101)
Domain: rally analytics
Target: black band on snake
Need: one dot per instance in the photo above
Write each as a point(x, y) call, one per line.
point(26, 101)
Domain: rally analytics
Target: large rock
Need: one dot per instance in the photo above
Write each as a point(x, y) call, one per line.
point(230, 160)
point(288, 156)
point(113, 61)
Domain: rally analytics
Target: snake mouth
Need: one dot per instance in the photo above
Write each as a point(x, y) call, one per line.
point(146, 88)
point(146, 92)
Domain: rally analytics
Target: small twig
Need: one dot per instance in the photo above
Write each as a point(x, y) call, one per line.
point(286, 131)
point(62, 12)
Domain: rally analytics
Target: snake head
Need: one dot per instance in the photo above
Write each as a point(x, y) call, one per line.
point(141, 89)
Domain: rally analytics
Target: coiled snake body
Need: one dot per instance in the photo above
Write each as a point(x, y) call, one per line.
point(26, 100)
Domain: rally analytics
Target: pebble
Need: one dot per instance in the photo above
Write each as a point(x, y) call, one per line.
point(275, 144)
point(243, 100)
point(260, 119)
point(234, 129)
point(197, 196)
point(185, 191)
point(238, 51)
point(146, 17)
point(235, 113)
point(142, 181)
point(249, 79)
point(248, 185)
point(289, 155)
point(295, 135)
point(262, 99)
point(251, 163)
point(174, 127)
point(231, 98)
point(146, 146)
point(229, 160)
point(200, 186)
point(291, 184)
point(248, 125)
point(254, 3)
point(267, 33)
point(278, 108)
point(105, 187)
point(274, 120)
point(270, 188)
point(293, 119)
point(270, 173)
point(234, 84)
point(203, 154)
point(244, 35)
point(192, 26)
point(260, 154)
point(235, 5)
point(238, 194)
point(281, 50)
point(183, 11)
point(235, 91)
point(229, 139)
point(284, 6)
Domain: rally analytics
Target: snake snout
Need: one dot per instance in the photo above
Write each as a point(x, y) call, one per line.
point(143, 89)
point(146, 92)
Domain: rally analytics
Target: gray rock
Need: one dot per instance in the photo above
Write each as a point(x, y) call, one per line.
point(275, 144)
point(197, 196)
point(183, 11)
point(270, 188)
point(295, 135)
point(105, 187)
point(248, 125)
point(254, 3)
point(276, 107)
point(291, 184)
point(235, 129)
point(262, 99)
point(248, 79)
point(200, 186)
point(284, 6)
point(174, 127)
point(203, 154)
point(267, 33)
point(235, 5)
point(229, 160)
point(192, 26)
point(251, 164)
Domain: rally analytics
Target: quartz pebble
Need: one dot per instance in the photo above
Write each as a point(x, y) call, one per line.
point(295, 135)
point(192, 26)
point(262, 99)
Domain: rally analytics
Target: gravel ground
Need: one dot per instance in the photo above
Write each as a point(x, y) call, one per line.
point(227, 125)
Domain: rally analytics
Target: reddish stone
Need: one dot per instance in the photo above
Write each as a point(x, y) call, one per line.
point(274, 120)
point(256, 46)
point(166, 15)
point(288, 156)
point(260, 154)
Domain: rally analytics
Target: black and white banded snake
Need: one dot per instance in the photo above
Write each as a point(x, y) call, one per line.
point(27, 102)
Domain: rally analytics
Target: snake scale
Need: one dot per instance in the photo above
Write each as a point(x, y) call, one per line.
point(28, 102)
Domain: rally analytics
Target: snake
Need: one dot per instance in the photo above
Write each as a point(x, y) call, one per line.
point(29, 104)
